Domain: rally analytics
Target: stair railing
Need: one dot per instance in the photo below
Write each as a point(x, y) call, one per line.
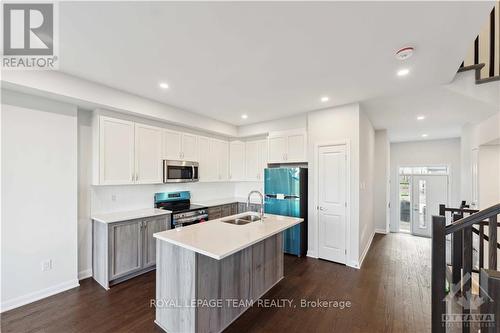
point(461, 230)
point(487, 40)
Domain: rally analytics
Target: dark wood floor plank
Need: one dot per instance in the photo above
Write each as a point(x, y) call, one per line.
point(390, 293)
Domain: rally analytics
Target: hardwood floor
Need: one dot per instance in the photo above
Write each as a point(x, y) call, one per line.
point(390, 293)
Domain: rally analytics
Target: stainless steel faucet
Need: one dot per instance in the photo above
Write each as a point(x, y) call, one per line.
point(261, 212)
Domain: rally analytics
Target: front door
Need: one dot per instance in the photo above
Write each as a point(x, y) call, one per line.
point(428, 193)
point(332, 202)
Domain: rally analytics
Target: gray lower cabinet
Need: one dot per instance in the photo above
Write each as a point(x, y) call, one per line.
point(242, 207)
point(125, 246)
point(122, 250)
point(217, 212)
point(151, 227)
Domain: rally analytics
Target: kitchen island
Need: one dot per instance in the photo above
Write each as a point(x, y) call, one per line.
point(209, 273)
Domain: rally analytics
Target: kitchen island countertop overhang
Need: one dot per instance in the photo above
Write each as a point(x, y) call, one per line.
point(218, 239)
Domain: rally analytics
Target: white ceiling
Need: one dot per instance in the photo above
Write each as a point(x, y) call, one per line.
point(446, 109)
point(265, 59)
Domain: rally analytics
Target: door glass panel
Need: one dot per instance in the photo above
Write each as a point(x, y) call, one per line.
point(404, 203)
point(422, 204)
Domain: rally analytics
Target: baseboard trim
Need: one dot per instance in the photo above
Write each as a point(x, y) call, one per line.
point(84, 274)
point(365, 251)
point(311, 254)
point(381, 231)
point(38, 295)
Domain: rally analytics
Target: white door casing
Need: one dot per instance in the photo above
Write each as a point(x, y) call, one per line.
point(332, 202)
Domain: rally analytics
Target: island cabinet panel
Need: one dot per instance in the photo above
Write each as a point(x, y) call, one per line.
point(234, 282)
point(175, 288)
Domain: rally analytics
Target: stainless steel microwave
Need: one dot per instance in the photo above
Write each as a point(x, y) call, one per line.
point(180, 171)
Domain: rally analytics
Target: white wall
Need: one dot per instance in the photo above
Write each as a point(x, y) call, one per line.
point(489, 175)
point(282, 124)
point(422, 153)
point(476, 136)
point(39, 198)
point(366, 184)
point(331, 126)
point(381, 195)
point(107, 199)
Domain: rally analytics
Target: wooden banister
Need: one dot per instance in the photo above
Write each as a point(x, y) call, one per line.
point(438, 269)
point(470, 220)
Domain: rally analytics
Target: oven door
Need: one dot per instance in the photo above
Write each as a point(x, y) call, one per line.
point(180, 171)
point(185, 221)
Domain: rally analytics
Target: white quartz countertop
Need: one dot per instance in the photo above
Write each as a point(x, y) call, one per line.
point(129, 215)
point(217, 239)
point(225, 201)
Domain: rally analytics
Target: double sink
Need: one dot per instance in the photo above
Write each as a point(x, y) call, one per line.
point(242, 219)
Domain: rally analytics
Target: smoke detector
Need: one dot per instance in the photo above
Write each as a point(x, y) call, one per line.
point(404, 53)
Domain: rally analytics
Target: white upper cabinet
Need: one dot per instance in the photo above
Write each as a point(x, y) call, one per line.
point(189, 147)
point(262, 158)
point(256, 159)
point(237, 160)
point(179, 146)
point(220, 152)
point(208, 164)
point(296, 147)
point(287, 146)
point(252, 160)
point(116, 164)
point(277, 149)
point(126, 152)
point(172, 142)
point(148, 154)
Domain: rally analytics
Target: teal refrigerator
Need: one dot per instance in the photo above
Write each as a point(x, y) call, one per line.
point(285, 191)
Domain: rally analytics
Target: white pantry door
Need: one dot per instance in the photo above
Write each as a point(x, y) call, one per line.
point(332, 202)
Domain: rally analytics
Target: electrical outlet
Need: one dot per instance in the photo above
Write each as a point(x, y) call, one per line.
point(46, 265)
point(113, 197)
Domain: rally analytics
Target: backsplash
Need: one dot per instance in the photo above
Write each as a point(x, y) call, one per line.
point(106, 199)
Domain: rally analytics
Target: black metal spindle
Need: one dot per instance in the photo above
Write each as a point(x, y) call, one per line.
point(492, 243)
point(492, 43)
point(467, 273)
point(476, 51)
point(456, 249)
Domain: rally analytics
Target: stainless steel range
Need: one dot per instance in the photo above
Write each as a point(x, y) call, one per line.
point(183, 212)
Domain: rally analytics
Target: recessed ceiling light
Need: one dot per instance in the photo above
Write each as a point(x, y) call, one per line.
point(420, 117)
point(163, 85)
point(244, 116)
point(325, 99)
point(403, 72)
point(424, 135)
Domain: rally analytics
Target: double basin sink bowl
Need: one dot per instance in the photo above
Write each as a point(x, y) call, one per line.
point(242, 219)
